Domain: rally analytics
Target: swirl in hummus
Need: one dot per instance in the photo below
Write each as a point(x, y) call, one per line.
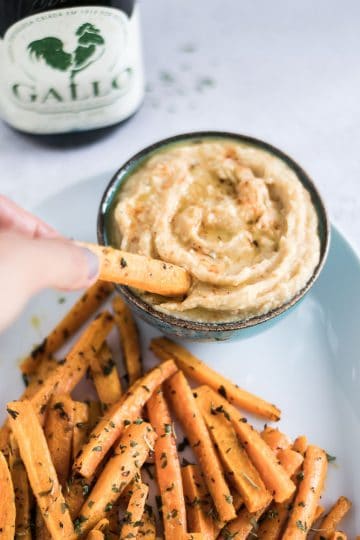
point(234, 215)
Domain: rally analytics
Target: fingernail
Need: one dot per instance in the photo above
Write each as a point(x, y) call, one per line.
point(93, 264)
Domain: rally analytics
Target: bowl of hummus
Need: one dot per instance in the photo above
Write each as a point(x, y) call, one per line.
point(241, 216)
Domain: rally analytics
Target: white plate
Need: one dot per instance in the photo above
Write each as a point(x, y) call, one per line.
point(308, 364)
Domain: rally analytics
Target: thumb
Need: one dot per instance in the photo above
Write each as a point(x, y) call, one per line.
point(30, 264)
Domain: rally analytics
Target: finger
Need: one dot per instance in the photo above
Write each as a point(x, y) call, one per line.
point(14, 217)
point(30, 264)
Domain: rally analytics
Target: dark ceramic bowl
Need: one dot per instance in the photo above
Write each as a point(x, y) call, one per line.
point(209, 331)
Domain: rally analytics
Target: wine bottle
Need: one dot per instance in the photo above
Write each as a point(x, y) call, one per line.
point(69, 65)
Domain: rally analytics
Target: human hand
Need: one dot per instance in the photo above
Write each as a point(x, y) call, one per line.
point(34, 256)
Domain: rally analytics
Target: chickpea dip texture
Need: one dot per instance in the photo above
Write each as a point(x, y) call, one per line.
point(234, 215)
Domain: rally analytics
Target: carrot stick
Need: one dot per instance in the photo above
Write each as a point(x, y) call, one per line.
point(7, 504)
point(199, 505)
point(242, 526)
point(140, 272)
point(290, 461)
point(273, 475)
point(65, 377)
point(134, 512)
point(105, 376)
point(167, 464)
point(308, 495)
point(300, 444)
point(80, 312)
point(110, 427)
point(119, 471)
point(58, 430)
point(238, 468)
point(129, 338)
point(329, 524)
point(147, 530)
point(22, 492)
point(195, 536)
point(275, 439)
point(186, 410)
point(40, 469)
point(81, 419)
point(164, 348)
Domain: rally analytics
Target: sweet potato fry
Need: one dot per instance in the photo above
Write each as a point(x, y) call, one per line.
point(81, 419)
point(300, 444)
point(105, 376)
point(199, 504)
point(119, 471)
point(239, 470)
point(40, 469)
point(241, 527)
point(147, 530)
point(308, 494)
point(275, 439)
point(7, 504)
point(186, 410)
point(129, 407)
point(65, 377)
point(164, 349)
point(134, 511)
point(194, 536)
point(290, 461)
point(22, 492)
point(329, 524)
point(80, 312)
point(273, 475)
point(141, 272)
point(129, 338)
point(59, 426)
point(167, 464)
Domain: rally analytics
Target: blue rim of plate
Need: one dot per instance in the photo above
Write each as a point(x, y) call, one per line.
point(109, 198)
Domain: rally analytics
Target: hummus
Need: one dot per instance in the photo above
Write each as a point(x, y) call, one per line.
point(234, 215)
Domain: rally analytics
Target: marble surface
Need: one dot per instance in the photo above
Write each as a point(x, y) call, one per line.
point(282, 71)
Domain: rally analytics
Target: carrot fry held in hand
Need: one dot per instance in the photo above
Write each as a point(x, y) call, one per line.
point(308, 495)
point(273, 475)
point(111, 426)
point(164, 349)
point(7, 503)
point(43, 479)
point(140, 271)
point(129, 338)
point(168, 472)
point(134, 511)
point(199, 504)
point(120, 470)
point(186, 410)
point(80, 312)
point(329, 524)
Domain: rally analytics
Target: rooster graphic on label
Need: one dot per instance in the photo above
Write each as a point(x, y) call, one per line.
point(90, 47)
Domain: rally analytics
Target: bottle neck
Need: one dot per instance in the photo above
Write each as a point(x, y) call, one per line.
point(12, 11)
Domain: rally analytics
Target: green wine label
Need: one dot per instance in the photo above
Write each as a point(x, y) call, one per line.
point(71, 69)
